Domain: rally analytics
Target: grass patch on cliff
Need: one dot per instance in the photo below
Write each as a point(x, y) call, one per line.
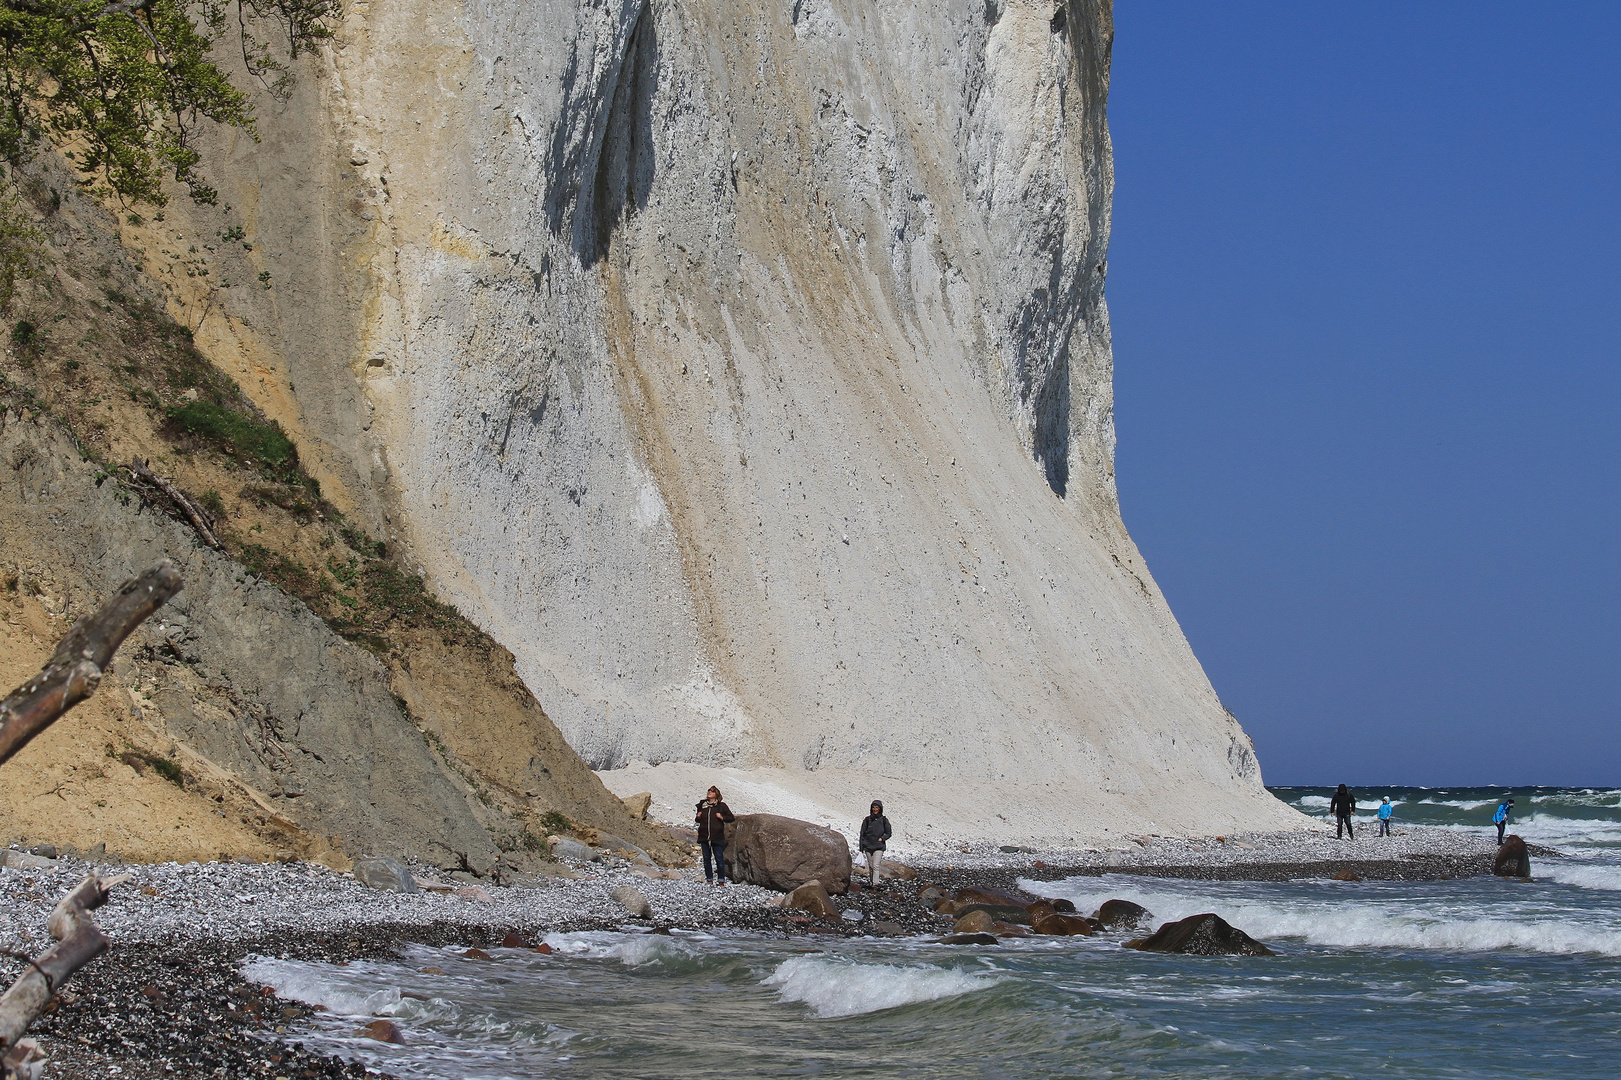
point(240, 434)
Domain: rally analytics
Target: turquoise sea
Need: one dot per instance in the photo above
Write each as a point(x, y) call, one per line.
point(1464, 978)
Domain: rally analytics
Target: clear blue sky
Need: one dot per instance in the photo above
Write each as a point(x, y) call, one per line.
point(1365, 283)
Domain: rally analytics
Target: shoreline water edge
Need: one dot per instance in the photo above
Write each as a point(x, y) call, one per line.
point(171, 997)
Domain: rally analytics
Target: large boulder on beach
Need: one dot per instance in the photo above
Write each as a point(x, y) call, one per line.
point(1009, 913)
point(973, 895)
point(390, 875)
point(783, 853)
point(1121, 913)
point(1201, 935)
point(1513, 860)
point(974, 922)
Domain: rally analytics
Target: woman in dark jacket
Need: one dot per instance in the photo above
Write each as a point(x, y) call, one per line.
point(874, 832)
point(712, 818)
point(1343, 804)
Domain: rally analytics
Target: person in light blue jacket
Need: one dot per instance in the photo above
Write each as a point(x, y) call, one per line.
point(1384, 816)
point(1500, 819)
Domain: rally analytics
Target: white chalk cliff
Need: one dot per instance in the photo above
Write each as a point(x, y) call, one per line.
point(744, 368)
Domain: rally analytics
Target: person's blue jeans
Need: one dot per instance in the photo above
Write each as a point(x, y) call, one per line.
point(718, 849)
point(1384, 826)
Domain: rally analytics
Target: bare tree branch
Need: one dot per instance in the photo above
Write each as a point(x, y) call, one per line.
point(194, 513)
point(79, 941)
point(74, 671)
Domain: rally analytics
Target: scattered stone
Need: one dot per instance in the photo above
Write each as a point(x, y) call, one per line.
point(1122, 914)
point(514, 941)
point(44, 851)
point(618, 845)
point(383, 1031)
point(784, 853)
point(430, 970)
point(633, 901)
point(433, 884)
point(544, 949)
point(1201, 935)
point(1347, 875)
point(895, 871)
point(886, 928)
point(977, 921)
point(638, 803)
point(969, 939)
point(564, 847)
point(813, 898)
point(930, 895)
point(477, 894)
point(853, 915)
point(1512, 859)
point(476, 954)
point(390, 875)
point(21, 860)
point(947, 906)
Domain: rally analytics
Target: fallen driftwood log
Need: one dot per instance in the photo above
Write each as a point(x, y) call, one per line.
point(71, 675)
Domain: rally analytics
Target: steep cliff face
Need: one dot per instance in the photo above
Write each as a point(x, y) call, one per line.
point(743, 368)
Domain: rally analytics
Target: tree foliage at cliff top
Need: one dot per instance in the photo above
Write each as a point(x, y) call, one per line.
point(122, 87)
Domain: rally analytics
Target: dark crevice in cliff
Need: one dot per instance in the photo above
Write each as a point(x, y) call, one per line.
point(602, 151)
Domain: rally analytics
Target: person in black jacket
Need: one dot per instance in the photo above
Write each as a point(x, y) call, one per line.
point(712, 818)
point(1342, 806)
point(874, 831)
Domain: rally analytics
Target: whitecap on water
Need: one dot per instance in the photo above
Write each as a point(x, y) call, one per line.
point(841, 988)
point(314, 984)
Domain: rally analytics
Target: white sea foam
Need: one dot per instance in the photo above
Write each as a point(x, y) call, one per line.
point(633, 950)
point(838, 988)
point(1585, 875)
point(1331, 918)
point(319, 984)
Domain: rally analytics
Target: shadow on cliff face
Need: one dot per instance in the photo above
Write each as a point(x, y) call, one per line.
point(602, 151)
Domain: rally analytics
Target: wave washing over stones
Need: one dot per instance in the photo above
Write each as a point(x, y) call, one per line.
point(744, 369)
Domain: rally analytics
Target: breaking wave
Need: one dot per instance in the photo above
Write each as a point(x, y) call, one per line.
point(313, 984)
point(840, 988)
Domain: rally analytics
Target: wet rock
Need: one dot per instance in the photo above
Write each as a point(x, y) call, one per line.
point(972, 895)
point(1009, 913)
point(1512, 859)
point(390, 875)
point(638, 803)
point(1122, 914)
point(784, 853)
point(1347, 875)
point(1062, 906)
point(633, 901)
point(813, 898)
point(969, 939)
point(1006, 929)
point(1201, 935)
point(886, 928)
point(476, 954)
point(514, 941)
point(930, 894)
point(544, 949)
point(975, 922)
point(947, 906)
point(383, 1031)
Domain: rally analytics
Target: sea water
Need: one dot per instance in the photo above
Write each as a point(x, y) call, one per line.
point(1466, 978)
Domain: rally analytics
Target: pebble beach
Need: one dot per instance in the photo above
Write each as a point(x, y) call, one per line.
point(170, 999)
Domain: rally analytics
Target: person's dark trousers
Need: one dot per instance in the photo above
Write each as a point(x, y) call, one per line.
point(1384, 826)
point(1343, 821)
point(1501, 825)
point(718, 849)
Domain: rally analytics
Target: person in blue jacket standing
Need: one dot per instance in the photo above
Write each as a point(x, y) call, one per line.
point(1384, 816)
point(1500, 819)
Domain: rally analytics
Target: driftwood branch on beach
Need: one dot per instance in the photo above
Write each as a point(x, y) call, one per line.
point(75, 669)
point(71, 675)
point(78, 941)
point(201, 520)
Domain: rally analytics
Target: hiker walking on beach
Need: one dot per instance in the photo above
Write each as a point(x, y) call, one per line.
point(1500, 818)
point(874, 831)
point(1384, 816)
point(712, 818)
point(1342, 806)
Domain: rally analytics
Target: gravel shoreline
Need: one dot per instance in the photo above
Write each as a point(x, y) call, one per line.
point(168, 1000)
